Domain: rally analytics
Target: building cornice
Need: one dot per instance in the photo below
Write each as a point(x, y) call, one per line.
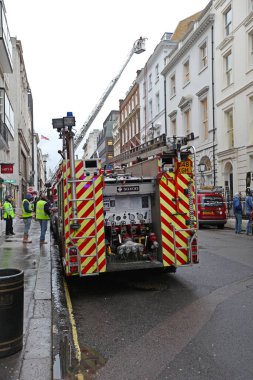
point(202, 92)
point(248, 85)
point(185, 102)
point(172, 114)
point(191, 39)
point(248, 19)
point(230, 153)
point(219, 3)
point(225, 42)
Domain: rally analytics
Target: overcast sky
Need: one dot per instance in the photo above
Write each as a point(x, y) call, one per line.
point(73, 49)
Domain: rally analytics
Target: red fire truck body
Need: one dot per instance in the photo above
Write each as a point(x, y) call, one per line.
point(144, 218)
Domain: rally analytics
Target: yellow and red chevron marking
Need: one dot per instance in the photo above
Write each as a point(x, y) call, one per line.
point(89, 238)
point(174, 206)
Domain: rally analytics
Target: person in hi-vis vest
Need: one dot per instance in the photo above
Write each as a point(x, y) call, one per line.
point(27, 214)
point(42, 214)
point(8, 215)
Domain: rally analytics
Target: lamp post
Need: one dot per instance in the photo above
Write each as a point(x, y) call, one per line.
point(45, 170)
point(202, 169)
point(64, 126)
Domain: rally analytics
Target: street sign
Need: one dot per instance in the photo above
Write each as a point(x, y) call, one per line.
point(31, 189)
point(9, 181)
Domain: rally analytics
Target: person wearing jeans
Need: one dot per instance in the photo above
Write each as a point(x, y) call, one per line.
point(27, 214)
point(42, 215)
point(237, 208)
point(248, 209)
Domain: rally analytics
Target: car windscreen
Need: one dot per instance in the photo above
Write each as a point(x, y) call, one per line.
point(212, 201)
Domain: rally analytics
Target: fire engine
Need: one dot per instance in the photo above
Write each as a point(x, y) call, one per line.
point(143, 216)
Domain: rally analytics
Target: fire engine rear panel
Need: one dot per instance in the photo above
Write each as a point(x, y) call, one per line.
point(178, 217)
point(89, 238)
point(127, 224)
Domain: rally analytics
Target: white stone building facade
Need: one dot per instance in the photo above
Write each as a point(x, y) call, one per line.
point(189, 92)
point(151, 91)
point(234, 91)
point(90, 145)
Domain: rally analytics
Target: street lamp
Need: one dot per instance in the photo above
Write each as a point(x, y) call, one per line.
point(202, 169)
point(45, 169)
point(64, 126)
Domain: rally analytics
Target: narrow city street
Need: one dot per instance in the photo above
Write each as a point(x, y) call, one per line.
point(195, 324)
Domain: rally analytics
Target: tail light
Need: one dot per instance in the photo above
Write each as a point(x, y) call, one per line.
point(73, 260)
point(74, 269)
point(73, 251)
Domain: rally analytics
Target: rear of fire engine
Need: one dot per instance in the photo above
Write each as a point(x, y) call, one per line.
point(146, 218)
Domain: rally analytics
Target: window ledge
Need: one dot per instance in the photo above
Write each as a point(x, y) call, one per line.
point(203, 69)
point(186, 84)
point(227, 86)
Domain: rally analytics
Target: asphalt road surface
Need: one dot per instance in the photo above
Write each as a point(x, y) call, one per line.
point(195, 324)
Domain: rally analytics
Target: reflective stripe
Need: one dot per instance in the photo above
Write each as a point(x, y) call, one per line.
point(24, 213)
point(40, 213)
point(8, 210)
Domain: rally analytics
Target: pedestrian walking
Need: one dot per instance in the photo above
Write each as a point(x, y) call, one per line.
point(42, 214)
point(8, 215)
point(248, 209)
point(237, 209)
point(27, 214)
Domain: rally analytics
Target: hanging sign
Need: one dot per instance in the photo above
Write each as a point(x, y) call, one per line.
point(7, 168)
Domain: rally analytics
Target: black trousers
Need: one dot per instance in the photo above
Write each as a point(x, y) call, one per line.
point(9, 226)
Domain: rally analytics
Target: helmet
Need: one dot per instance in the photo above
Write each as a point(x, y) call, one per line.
point(29, 196)
point(8, 196)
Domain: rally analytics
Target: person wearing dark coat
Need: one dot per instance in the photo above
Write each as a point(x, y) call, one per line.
point(237, 208)
point(8, 215)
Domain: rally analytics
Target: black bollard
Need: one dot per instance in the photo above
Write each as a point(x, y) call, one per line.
point(11, 311)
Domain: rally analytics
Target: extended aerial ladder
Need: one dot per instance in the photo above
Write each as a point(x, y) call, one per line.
point(138, 48)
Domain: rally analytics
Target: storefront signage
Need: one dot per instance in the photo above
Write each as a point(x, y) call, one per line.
point(9, 181)
point(6, 168)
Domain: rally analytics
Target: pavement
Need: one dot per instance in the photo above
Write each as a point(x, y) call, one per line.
point(36, 360)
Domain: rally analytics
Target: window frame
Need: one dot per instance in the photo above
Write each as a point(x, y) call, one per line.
point(186, 72)
point(228, 69)
point(157, 98)
point(204, 117)
point(227, 21)
point(187, 120)
point(150, 82)
point(157, 71)
point(173, 85)
point(250, 48)
point(203, 55)
point(230, 130)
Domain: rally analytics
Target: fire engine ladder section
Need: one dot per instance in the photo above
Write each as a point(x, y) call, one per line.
point(138, 48)
point(192, 230)
point(74, 239)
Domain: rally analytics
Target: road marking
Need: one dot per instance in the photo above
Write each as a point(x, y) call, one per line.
point(72, 322)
